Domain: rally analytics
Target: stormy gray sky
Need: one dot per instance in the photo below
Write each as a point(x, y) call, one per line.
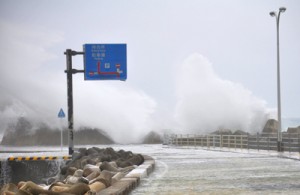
point(193, 65)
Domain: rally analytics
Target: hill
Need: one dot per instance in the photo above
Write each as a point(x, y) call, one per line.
point(23, 134)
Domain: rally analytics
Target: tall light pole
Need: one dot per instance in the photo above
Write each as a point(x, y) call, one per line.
point(277, 16)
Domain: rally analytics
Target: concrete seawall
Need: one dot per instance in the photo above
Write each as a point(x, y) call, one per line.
point(37, 171)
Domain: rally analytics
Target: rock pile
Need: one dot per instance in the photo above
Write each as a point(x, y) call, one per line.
point(153, 138)
point(294, 130)
point(271, 127)
point(90, 171)
point(229, 132)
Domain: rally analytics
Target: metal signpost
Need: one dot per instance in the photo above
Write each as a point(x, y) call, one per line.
point(61, 115)
point(101, 62)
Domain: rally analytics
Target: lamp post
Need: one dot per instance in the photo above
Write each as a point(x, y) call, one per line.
point(277, 16)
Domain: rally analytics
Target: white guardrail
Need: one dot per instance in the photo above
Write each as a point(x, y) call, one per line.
point(290, 142)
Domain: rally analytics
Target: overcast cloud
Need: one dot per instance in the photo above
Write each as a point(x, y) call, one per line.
point(192, 65)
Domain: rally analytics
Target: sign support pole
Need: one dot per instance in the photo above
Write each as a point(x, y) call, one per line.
point(68, 54)
point(114, 69)
point(61, 115)
point(61, 135)
point(70, 71)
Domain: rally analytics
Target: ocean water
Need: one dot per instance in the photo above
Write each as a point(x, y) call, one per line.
point(199, 171)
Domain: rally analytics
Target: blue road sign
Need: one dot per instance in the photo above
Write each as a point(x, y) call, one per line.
point(105, 62)
point(61, 114)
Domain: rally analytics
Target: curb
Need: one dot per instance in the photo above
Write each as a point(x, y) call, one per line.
point(27, 158)
point(125, 185)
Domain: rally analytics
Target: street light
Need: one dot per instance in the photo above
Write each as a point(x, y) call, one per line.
point(274, 14)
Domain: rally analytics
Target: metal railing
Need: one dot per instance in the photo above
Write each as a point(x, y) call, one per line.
point(290, 142)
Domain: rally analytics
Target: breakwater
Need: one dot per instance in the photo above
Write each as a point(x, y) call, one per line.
point(91, 171)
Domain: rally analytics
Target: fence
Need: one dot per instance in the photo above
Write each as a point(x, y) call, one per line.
point(290, 142)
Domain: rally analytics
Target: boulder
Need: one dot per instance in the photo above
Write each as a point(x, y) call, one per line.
point(153, 138)
point(271, 126)
point(222, 132)
point(293, 130)
point(240, 132)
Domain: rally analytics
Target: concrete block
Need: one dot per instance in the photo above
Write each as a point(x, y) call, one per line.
point(122, 187)
point(147, 167)
point(138, 172)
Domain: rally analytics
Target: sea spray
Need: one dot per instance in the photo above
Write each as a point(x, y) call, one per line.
point(5, 172)
point(206, 102)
